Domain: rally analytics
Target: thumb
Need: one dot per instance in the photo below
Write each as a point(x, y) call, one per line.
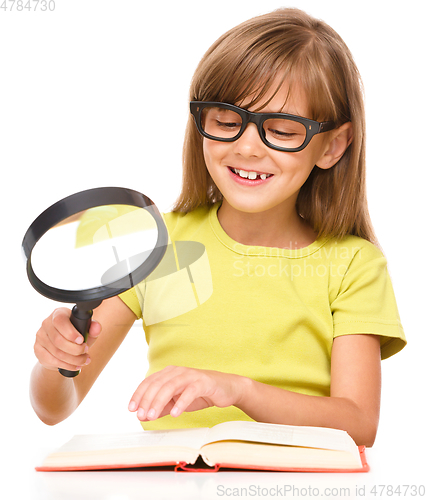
point(94, 331)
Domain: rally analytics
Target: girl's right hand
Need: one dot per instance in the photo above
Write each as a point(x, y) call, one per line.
point(59, 345)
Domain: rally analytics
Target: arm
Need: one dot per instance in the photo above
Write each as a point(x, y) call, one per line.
point(353, 404)
point(58, 344)
point(354, 401)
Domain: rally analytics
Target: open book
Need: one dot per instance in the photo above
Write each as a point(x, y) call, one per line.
point(236, 444)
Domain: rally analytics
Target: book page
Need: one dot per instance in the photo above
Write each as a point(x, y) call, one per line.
point(311, 437)
point(272, 456)
point(188, 438)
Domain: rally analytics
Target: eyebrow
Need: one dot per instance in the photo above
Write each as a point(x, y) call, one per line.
point(268, 110)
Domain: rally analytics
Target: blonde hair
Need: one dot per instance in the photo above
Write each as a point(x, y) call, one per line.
point(307, 53)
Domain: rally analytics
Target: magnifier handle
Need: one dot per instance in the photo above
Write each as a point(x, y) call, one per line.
point(80, 318)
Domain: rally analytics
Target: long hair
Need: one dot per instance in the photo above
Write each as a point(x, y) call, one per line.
point(309, 55)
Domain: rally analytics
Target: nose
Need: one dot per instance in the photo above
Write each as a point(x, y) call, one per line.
point(249, 144)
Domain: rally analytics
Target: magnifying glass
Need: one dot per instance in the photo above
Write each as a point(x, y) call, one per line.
point(93, 245)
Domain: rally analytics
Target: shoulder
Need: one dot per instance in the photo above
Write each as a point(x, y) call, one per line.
point(359, 264)
point(351, 250)
point(362, 297)
point(353, 262)
point(180, 222)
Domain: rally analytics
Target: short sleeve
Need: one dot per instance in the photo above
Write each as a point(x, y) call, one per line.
point(366, 304)
point(133, 299)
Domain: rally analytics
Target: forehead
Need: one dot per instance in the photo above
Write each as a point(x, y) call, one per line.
point(260, 80)
point(280, 96)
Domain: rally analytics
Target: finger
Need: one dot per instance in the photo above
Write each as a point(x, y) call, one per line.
point(166, 411)
point(146, 392)
point(57, 341)
point(61, 349)
point(158, 396)
point(64, 357)
point(65, 337)
point(187, 397)
point(51, 362)
point(61, 322)
point(145, 400)
point(54, 341)
point(94, 332)
point(154, 402)
point(137, 395)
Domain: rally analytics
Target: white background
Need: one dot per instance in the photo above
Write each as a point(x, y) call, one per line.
point(81, 89)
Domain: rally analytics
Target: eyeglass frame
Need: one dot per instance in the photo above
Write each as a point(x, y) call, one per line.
point(312, 127)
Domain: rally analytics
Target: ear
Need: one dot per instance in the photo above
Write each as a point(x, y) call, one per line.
point(338, 141)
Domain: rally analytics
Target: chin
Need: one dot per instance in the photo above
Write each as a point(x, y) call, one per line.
point(249, 206)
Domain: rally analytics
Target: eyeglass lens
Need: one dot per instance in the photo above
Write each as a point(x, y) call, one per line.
point(226, 124)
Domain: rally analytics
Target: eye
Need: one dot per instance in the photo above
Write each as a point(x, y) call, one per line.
point(281, 133)
point(228, 125)
point(283, 129)
point(284, 133)
point(220, 122)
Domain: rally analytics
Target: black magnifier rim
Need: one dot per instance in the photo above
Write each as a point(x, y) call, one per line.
point(78, 202)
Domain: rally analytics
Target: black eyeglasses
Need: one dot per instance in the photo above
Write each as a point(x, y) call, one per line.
point(225, 122)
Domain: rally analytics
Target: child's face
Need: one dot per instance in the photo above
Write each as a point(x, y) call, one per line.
point(286, 172)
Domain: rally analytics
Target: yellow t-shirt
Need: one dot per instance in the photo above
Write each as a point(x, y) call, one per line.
point(266, 313)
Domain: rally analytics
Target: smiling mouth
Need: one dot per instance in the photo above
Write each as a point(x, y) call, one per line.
point(250, 175)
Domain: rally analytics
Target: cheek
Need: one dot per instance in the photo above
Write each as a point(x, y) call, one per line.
point(295, 168)
point(213, 152)
point(315, 150)
point(302, 162)
point(293, 164)
point(207, 156)
point(206, 151)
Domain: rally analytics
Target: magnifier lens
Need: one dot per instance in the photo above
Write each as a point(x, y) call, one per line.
point(91, 246)
point(95, 247)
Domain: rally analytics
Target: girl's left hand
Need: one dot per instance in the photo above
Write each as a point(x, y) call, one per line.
point(176, 389)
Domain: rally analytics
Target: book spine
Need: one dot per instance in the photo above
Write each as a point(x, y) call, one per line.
point(185, 467)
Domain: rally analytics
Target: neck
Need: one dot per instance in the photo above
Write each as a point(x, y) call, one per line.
point(276, 227)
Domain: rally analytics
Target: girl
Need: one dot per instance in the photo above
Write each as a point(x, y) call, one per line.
point(285, 312)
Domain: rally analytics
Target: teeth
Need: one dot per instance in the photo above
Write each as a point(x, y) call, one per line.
point(249, 175)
